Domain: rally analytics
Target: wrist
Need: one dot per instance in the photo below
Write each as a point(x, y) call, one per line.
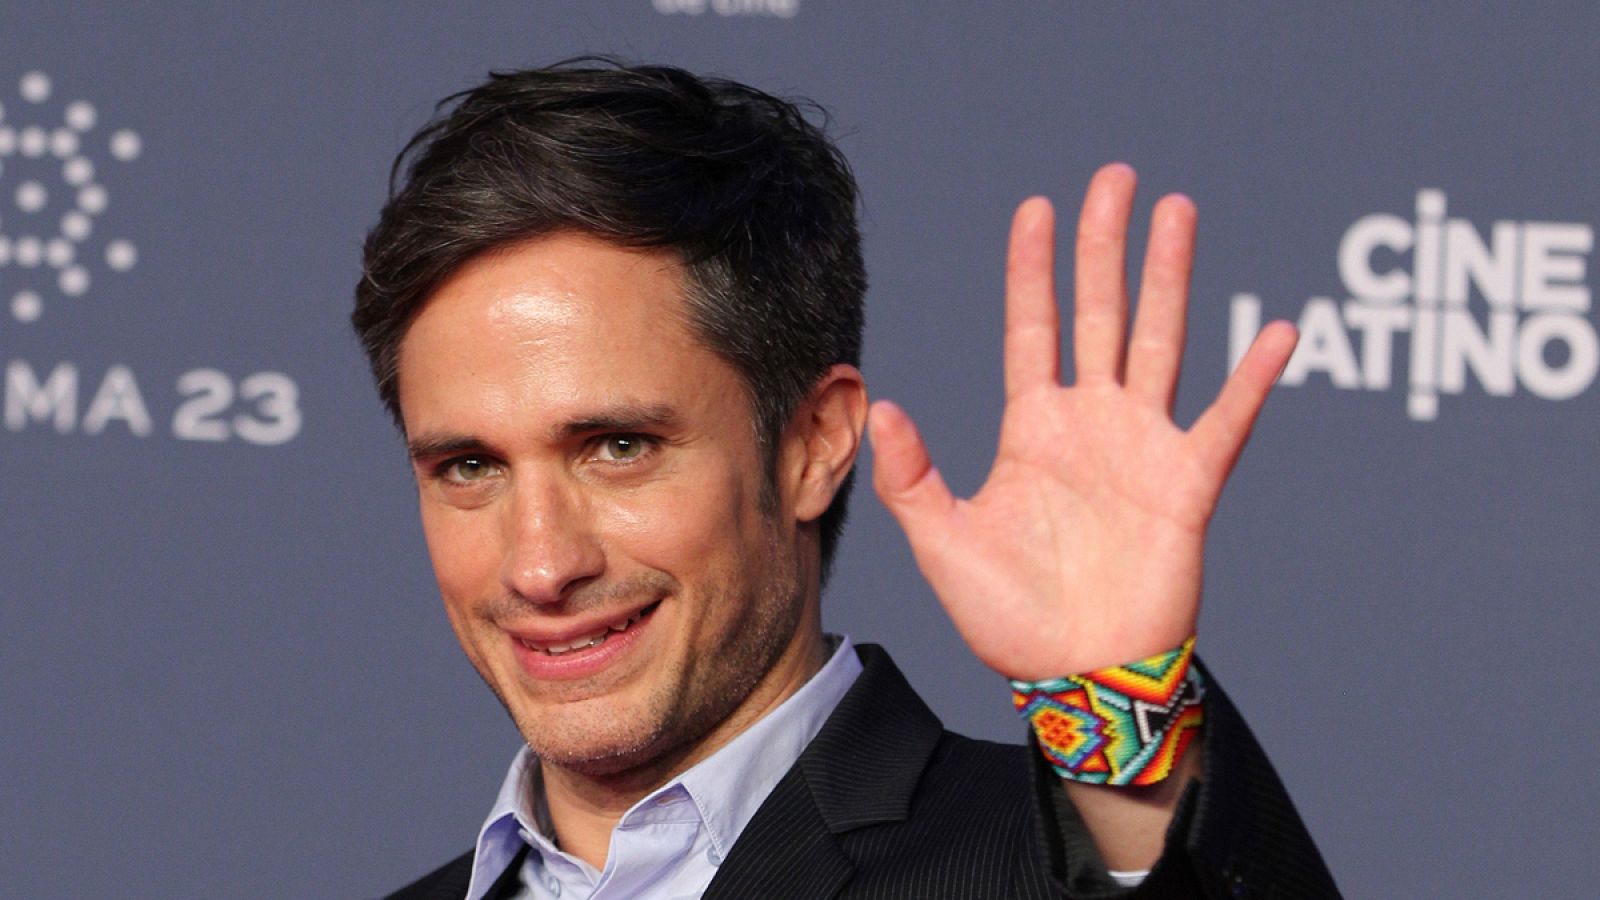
point(1120, 725)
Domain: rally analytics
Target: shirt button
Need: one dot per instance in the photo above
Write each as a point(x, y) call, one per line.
point(555, 888)
point(713, 857)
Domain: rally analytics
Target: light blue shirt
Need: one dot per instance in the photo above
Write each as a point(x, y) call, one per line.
point(670, 843)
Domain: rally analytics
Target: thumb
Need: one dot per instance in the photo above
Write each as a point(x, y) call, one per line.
point(903, 474)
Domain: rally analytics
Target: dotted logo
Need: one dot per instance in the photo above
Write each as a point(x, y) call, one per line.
point(51, 197)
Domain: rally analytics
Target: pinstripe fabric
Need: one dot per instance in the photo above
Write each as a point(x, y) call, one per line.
point(886, 805)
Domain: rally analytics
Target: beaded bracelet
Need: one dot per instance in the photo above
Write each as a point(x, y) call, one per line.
point(1123, 725)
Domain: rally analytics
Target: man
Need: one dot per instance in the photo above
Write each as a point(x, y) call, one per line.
point(616, 313)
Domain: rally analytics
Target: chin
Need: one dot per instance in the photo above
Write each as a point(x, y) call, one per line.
point(605, 763)
point(584, 749)
point(600, 735)
point(646, 732)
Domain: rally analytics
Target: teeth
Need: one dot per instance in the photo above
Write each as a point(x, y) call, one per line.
point(584, 643)
point(558, 649)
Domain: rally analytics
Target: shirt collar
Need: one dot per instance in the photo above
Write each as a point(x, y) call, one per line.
point(727, 787)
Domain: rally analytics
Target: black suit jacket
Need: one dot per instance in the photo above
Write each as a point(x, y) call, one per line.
point(884, 804)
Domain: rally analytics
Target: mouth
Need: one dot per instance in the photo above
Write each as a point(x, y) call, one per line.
point(591, 640)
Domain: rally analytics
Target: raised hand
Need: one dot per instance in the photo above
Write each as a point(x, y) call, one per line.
point(1084, 547)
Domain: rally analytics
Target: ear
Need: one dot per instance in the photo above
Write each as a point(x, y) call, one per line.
point(822, 440)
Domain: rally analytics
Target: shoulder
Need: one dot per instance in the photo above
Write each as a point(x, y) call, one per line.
point(974, 793)
point(884, 756)
point(976, 772)
point(970, 830)
point(449, 880)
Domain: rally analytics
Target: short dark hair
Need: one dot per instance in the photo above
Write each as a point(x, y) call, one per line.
point(752, 196)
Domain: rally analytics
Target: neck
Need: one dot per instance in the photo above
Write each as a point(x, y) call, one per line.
point(585, 808)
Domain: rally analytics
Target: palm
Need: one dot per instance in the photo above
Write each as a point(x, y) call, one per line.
point(1084, 547)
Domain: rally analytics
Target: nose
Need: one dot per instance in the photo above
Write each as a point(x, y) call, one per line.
point(552, 546)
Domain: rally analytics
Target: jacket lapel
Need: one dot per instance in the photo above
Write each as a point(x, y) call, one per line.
point(861, 769)
point(785, 853)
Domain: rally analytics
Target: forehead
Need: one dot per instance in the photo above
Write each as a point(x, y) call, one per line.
point(559, 278)
point(550, 325)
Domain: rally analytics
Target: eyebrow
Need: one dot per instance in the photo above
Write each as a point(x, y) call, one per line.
point(622, 417)
point(441, 445)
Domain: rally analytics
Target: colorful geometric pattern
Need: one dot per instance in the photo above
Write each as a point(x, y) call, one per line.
point(1121, 725)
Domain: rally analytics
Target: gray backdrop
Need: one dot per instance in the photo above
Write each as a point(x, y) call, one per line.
point(224, 670)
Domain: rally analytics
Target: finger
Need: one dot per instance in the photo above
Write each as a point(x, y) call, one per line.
point(1222, 430)
point(1033, 326)
point(1100, 294)
point(1155, 352)
point(903, 474)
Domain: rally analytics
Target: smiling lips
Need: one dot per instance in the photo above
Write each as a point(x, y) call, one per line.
point(585, 642)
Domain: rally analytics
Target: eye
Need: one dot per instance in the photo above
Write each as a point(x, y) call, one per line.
point(621, 447)
point(468, 469)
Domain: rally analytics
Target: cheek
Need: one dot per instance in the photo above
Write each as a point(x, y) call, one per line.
point(463, 547)
point(464, 565)
point(684, 526)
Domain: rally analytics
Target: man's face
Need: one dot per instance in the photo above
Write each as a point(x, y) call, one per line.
point(592, 495)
